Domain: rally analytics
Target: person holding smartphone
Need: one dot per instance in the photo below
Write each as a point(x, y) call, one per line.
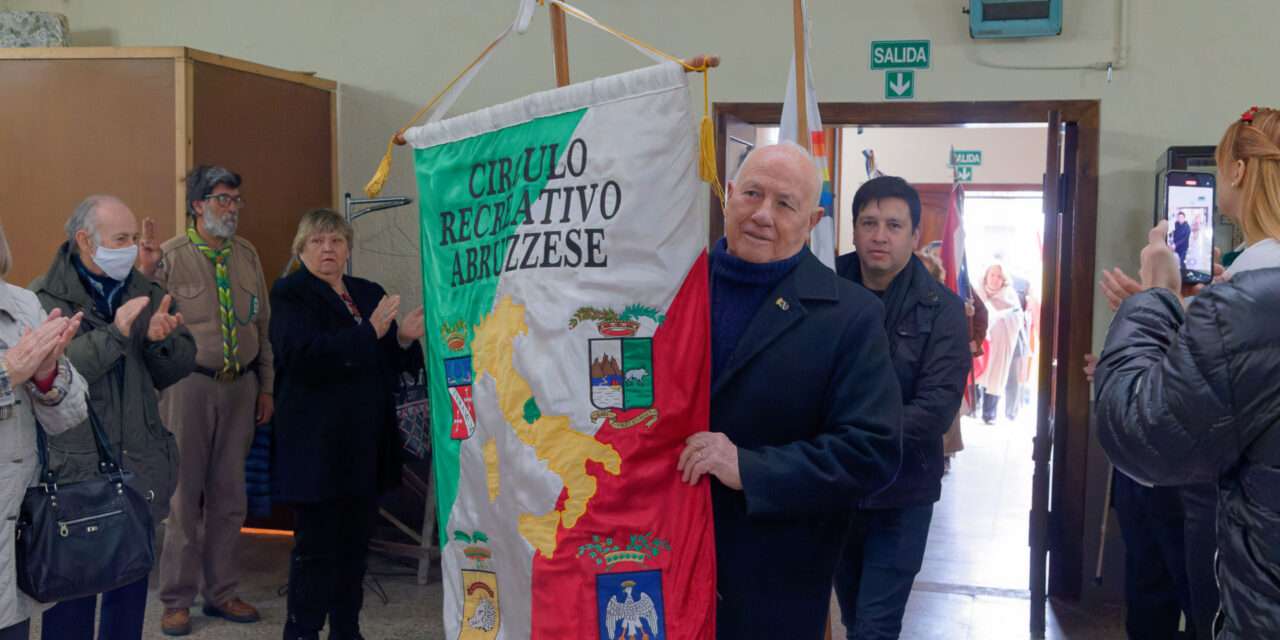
point(1188, 396)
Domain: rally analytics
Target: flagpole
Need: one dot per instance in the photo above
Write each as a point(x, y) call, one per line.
point(802, 128)
point(802, 107)
point(560, 42)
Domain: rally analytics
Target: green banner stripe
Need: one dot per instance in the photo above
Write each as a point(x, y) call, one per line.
point(474, 193)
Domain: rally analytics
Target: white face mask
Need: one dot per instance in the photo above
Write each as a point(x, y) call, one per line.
point(116, 263)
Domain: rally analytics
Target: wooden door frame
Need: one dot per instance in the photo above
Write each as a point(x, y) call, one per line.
point(1070, 454)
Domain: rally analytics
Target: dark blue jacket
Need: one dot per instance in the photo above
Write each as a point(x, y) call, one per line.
point(816, 422)
point(929, 344)
point(334, 428)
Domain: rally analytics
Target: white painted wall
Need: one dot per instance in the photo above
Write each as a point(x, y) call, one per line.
point(1193, 67)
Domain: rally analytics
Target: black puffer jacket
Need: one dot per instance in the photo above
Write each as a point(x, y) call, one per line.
point(1195, 397)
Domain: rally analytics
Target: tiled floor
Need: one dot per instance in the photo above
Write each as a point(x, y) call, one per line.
point(973, 585)
point(411, 612)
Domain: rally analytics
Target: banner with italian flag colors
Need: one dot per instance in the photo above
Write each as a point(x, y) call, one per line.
point(565, 285)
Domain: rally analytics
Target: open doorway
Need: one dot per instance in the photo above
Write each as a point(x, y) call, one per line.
point(999, 202)
point(1009, 530)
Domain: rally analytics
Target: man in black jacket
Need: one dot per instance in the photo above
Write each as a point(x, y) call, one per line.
point(929, 347)
point(804, 418)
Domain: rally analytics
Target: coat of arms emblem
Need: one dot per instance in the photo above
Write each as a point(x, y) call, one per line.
point(458, 376)
point(480, 613)
point(621, 365)
point(629, 604)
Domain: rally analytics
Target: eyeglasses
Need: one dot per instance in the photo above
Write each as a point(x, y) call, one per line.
point(226, 200)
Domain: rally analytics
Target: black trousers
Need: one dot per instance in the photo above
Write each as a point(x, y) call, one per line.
point(20, 631)
point(326, 571)
point(1199, 529)
point(1155, 572)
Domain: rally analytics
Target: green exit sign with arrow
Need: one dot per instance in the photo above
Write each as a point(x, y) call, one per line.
point(900, 54)
point(971, 158)
point(899, 85)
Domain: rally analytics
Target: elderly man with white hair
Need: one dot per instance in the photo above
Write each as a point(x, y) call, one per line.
point(130, 344)
point(805, 407)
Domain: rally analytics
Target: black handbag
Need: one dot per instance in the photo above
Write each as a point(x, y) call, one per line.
point(83, 538)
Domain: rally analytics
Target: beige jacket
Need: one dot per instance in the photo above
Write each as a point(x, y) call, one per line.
point(187, 274)
point(20, 407)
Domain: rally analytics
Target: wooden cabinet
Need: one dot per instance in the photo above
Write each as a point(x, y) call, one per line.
point(131, 122)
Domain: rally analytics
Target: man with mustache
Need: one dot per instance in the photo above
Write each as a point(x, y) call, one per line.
point(216, 278)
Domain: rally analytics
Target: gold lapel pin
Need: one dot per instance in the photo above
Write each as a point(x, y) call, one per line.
point(782, 304)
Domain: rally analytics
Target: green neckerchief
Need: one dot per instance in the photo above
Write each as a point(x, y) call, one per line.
point(226, 307)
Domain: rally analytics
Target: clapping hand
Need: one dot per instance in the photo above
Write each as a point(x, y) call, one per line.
point(412, 327)
point(22, 360)
point(383, 314)
point(162, 322)
point(1117, 286)
point(70, 327)
point(127, 313)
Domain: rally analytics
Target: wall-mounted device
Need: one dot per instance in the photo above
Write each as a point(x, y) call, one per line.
point(1014, 18)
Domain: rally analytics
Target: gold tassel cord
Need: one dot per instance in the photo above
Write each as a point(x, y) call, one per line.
point(379, 179)
point(708, 170)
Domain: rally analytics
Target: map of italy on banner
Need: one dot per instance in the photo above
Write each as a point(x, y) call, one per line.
point(565, 286)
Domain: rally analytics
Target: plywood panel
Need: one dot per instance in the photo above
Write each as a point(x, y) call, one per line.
point(71, 128)
point(278, 136)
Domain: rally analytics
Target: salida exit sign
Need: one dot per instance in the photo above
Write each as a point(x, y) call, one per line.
point(900, 54)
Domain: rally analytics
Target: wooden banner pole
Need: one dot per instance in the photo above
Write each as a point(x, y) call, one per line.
point(561, 44)
point(802, 91)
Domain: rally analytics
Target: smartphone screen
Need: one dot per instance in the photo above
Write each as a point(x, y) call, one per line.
point(1189, 210)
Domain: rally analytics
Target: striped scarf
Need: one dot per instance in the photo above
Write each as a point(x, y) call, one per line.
point(226, 307)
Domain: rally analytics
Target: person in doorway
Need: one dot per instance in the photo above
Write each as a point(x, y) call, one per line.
point(929, 347)
point(338, 354)
point(216, 277)
point(1015, 388)
point(1188, 395)
point(131, 345)
point(1181, 238)
point(979, 320)
point(1004, 313)
point(805, 411)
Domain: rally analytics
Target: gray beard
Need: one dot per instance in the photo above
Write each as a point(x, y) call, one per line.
point(220, 227)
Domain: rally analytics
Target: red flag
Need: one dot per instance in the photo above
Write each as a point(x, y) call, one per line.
point(953, 244)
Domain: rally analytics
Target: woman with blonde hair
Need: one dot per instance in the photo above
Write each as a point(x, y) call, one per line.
point(340, 346)
point(1004, 313)
point(1193, 396)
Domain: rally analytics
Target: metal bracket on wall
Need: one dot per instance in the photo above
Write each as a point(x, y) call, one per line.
point(365, 207)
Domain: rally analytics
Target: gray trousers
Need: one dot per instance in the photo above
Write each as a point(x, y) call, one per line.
point(214, 424)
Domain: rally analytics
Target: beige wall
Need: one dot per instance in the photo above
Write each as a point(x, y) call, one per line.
point(1010, 155)
point(1193, 67)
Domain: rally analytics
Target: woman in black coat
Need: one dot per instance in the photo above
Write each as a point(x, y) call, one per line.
point(1191, 396)
point(338, 353)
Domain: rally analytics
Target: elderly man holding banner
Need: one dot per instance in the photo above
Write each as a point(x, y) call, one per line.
point(805, 409)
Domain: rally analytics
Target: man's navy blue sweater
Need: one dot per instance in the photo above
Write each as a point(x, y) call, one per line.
point(738, 288)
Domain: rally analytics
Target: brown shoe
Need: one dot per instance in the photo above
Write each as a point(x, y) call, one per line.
point(176, 622)
point(234, 610)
